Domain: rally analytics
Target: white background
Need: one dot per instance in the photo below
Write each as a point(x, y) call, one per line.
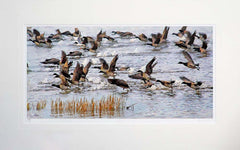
point(221, 135)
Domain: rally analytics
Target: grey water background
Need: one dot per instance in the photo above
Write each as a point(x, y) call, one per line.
point(154, 102)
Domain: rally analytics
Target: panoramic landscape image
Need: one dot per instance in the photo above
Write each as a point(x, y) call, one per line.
point(119, 72)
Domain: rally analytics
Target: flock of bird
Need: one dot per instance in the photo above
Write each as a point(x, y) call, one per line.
point(91, 44)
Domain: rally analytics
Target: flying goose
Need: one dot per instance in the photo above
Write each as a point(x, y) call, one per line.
point(148, 71)
point(166, 83)
point(64, 84)
point(109, 71)
point(191, 84)
point(190, 63)
point(121, 83)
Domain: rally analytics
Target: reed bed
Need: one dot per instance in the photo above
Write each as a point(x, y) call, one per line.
point(38, 106)
point(106, 106)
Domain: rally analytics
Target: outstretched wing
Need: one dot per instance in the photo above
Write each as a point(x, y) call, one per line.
point(113, 63)
point(183, 29)
point(192, 38)
point(36, 32)
point(188, 57)
point(204, 45)
point(76, 73)
point(94, 45)
point(149, 66)
point(63, 58)
point(104, 64)
point(118, 82)
point(86, 68)
point(204, 35)
point(186, 79)
point(165, 33)
point(143, 36)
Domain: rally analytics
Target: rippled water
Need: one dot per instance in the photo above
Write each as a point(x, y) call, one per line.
point(184, 102)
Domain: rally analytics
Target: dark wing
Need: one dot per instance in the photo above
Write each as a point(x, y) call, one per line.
point(104, 63)
point(154, 35)
point(192, 38)
point(188, 33)
point(204, 35)
point(113, 63)
point(154, 65)
point(94, 45)
point(85, 40)
point(112, 81)
point(157, 40)
point(67, 33)
point(49, 41)
point(63, 58)
point(121, 83)
point(36, 32)
point(204, 45)
point(136, 76)
point(100, 32)
point(70, 64)
point(188, 57)
point(74, 53)
point(142, 36)
point(149, 66)
point(118, 82)
point(65, 74)
point(109, 38)
point(165, 33)
point(183, 29)
point(76, 73)
point(30, 33)
point(86, 68)
point(51, 61)
point(99, 36)
point(186, 79)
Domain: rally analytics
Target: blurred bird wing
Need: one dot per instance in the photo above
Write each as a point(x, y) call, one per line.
point(149, 66)
point(76, 73)
point(36, 32)
point(63, 58)
point(186, 79)
point(104, 64)
point(136, 76)
point(183, 28)
point(113, 63)
point(192, 38)
point(188, 57)
point(164, 35)
point(143, 36)
point(94, 45)
point(86, 68)
point(204, 45)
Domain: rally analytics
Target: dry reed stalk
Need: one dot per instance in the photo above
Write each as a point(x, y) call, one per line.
point(28, 107)
point(105, 106)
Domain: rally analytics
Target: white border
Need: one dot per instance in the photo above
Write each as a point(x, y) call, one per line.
point(110, 120)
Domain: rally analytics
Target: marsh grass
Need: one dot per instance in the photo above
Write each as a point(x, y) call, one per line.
point(83, 107)
point(36, 106)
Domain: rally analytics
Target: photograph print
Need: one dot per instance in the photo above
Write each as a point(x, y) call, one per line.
point(119, 72)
